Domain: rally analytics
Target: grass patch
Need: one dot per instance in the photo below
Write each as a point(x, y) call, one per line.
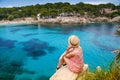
point(113, 73)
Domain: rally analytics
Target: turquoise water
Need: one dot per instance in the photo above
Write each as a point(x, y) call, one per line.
point(31, 52)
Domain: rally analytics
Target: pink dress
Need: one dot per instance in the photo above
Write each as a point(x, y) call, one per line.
point(75, 63)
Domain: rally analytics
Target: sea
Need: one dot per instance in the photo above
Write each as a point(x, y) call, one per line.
point(31, 51)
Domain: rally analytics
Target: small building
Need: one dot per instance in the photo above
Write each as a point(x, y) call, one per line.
point(63, 14)
point(38, 16)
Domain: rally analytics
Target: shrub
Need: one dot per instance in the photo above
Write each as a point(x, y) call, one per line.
point(10, 17)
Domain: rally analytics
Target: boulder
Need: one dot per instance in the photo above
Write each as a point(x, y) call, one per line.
point(116, 19)
point(65, 74)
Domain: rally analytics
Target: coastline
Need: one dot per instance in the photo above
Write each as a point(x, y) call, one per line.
point(62, 20)
point(79, 20)
point(17, 22)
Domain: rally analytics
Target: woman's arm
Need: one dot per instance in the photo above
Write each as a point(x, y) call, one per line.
point(70, 55)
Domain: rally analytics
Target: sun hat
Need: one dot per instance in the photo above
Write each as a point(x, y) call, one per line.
point(73, 40)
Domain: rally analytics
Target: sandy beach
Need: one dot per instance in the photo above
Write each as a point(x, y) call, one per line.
point(6, 22)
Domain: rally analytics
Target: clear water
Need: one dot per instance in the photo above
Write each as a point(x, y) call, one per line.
point(31, 52)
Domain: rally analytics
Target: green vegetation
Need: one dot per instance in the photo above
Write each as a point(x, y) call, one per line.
point(10, 17)
point(51, 10)
point(113, 73)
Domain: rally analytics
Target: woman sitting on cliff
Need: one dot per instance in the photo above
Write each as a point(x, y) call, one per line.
point(72, 58)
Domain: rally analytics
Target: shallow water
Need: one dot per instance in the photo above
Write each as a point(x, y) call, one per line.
point(31, 52)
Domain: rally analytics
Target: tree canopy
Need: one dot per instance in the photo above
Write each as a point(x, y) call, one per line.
point(54, 9)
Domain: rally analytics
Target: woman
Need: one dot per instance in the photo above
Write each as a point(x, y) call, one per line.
point(72, 59)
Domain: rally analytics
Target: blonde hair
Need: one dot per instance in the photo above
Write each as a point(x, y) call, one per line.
point(74, 41)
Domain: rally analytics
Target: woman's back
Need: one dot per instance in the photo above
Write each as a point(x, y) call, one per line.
point(75, 63)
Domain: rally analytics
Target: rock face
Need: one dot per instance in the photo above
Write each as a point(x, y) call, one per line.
point(118, 29)
point(116, 19)
point(74, 19)
point(118, 54)
point(64, 20)
point(65, 74)
point(102, 19)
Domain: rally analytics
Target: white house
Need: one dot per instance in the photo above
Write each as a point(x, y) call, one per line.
point(38, 16)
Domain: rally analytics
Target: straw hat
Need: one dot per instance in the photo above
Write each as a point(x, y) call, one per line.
point(73, 40)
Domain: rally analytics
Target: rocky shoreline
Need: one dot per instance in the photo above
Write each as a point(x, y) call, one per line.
point(62, 20)
point(79, 20)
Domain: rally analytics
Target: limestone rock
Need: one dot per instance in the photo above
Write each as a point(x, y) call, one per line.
point(116, 19)
point(65, 74)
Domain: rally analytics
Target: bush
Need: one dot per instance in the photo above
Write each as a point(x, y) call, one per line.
point(10, 17)
point(113, 73)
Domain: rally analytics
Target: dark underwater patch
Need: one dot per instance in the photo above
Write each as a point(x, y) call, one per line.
point(36, 48)
point(36, 54)
point(101, 46)
point(51, 49)
point(11, 64)
point(11, 67)
point(7, 76)
point(7, 43)
point(28, 71)
point(43, 77)
point(16, 63)
point(25, 78)
point(53, 33)
point(30, 34)
point(8, 70)
point(15, 30)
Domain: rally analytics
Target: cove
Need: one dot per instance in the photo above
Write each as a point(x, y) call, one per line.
point(32, 51)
